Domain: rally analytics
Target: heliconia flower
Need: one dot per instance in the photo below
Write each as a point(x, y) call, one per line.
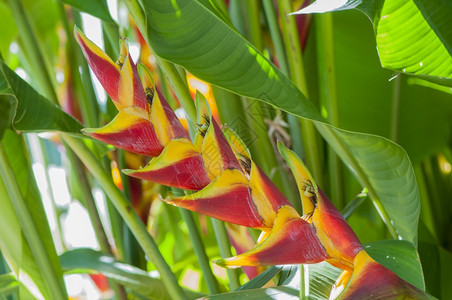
point(179, 165)
point(336, 236)
point(120, 80)
point(229, 186)
point(292, 240)
point(242, 241)
point(130, 130)
point(371, 280)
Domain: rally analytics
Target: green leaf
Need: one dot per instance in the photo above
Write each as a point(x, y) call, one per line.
point(17, 155)
point(86, 260)
point(399, 256)
point(28, 110)
point(260, 279)
point(96, 8)
point(318, 279)
point(187, 33)
point(8, 284)
point(11, 239)
point(7, 28)
point(280, 292)
point(413, 37)
point(421, 132)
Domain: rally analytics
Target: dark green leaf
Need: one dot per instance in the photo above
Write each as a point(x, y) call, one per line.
point(187, 33)
point(30, 111)
point(97, 8)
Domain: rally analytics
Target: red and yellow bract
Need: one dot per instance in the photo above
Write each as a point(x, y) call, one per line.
point(229, 186)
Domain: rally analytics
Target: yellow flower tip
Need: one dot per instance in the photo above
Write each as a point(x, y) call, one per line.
point(146, 78)
point(124, 50)
point(307, 186)
point(234, 262)
point(89, 131)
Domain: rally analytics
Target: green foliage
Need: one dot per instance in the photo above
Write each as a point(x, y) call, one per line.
point(28, 111)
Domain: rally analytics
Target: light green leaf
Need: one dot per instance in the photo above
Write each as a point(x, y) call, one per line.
point(8, 284)
point(399, 256)
point(96, 8)
point(28, 110)
point(17, 155)
point(11, 239)
point(189, 34)
point(413, 37)
point(86, 260)
point(7, 28)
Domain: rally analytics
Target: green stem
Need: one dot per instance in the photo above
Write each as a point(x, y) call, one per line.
point(294, 122)
point(128, 214)
point(427, 213)
point(54, 284)
point(354, 204)
point(30, 41)
point(302, 293)
point(311, 140)
point(272, 21)
point(94, 216)
point(200, 251)
point(395, 108)
point(180, 89)
point(225, 251)
point(328, 97)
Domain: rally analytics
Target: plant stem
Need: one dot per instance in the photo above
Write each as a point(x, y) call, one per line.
point(37, 58)
point(200, 251)
point(225, 251)
point(128, 214)
point(395, 108)
point(354, 204)
point(180, 89)
point(328, 97)
point(54, 284)
point(311, 140)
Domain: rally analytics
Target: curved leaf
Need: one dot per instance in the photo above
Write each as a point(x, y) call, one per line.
point(86, 260)
point(26, 110)
point(413, 37)
point(187, 33)
point(399, 256)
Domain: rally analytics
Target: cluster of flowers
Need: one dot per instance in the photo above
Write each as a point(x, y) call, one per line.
point(229, 186)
